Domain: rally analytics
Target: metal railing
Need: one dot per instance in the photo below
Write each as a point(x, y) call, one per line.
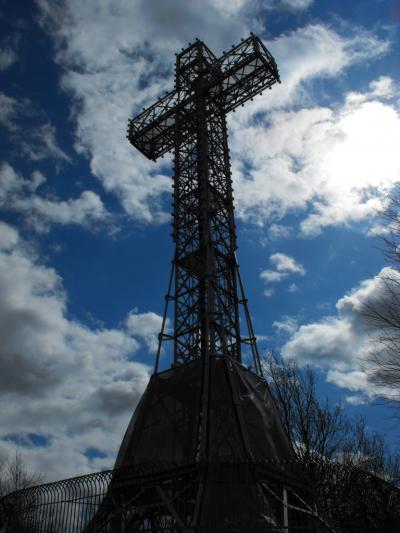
point(110, 501)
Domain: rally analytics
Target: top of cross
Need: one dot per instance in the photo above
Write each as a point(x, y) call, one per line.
point(237, 76)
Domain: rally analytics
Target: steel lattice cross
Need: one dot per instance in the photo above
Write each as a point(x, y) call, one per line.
point(191, 120)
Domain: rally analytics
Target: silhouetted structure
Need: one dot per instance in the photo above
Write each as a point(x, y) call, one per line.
point(205, 451)
point(209, 416)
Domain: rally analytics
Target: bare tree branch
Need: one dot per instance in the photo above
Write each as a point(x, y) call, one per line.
point(382, 312)
point(354, 474)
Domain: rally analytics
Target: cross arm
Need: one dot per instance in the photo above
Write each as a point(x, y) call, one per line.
point(237, 76)
point(242, 73)
point(152, 131)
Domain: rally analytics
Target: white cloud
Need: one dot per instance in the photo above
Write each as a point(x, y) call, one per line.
point(146, 326)
point(304, 55)
point(9, 108)
point(356, 399)
point(334, 163)
point(8, 51)
point(271, 276)
point(8, 57)
point(378, 230)
point(288, 325)
point(232, 8)
point(8, 236)
point(74, 385)
point(13, 185)
point(10, 183)
point(278, 231)
point(108, 57)
point(83, 211)
point(19, 194)
point(293, 287)
point(329, 342)
point(42, 144)
point(292, 5)
point(112, 69)
point(285, 265)
point(353, 380)
point(330, 162)
point(383, 87)
point(37, 141)
point(268, 293)
point(340, 343)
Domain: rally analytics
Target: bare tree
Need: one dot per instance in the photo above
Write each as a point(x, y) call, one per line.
point(354, 474)
point(15, 476)
point(14, 479)
point(382, 314)
point(382, 311)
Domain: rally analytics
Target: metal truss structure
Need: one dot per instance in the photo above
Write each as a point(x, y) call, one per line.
point(205, 451)
point(191, 121)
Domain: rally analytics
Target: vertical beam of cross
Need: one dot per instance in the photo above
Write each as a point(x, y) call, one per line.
point(191, 120)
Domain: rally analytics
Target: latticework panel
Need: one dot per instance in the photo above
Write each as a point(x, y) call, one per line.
point(206, 317)
point(206, 302)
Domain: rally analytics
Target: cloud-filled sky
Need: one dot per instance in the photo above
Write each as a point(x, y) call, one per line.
point(85, 243)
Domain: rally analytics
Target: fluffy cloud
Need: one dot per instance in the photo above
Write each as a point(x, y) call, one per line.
point(272, 276)
point(268, 293)
point(112, 69)
point(146, 326)
point(42, 144)
point(9, 110)
point(278, 231)
point(125, 27)
point(286, 325)
point(285, 263)
point(75, 387)
point(284, 266)
point(309, 53)
point(341, 342)
point(109, 59)
point(37, 141)
point(10, 183)
point(338, 162)
point(292, 5)
point(383, 87)
point(19, 194)
point(8, 56)
point(8, 51)
point(83, 211)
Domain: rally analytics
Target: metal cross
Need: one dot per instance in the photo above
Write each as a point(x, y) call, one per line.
point(191, 121)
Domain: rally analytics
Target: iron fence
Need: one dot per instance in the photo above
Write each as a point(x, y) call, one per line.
point(111, 501)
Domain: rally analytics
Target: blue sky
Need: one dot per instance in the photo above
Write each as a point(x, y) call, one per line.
point(85, 243)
